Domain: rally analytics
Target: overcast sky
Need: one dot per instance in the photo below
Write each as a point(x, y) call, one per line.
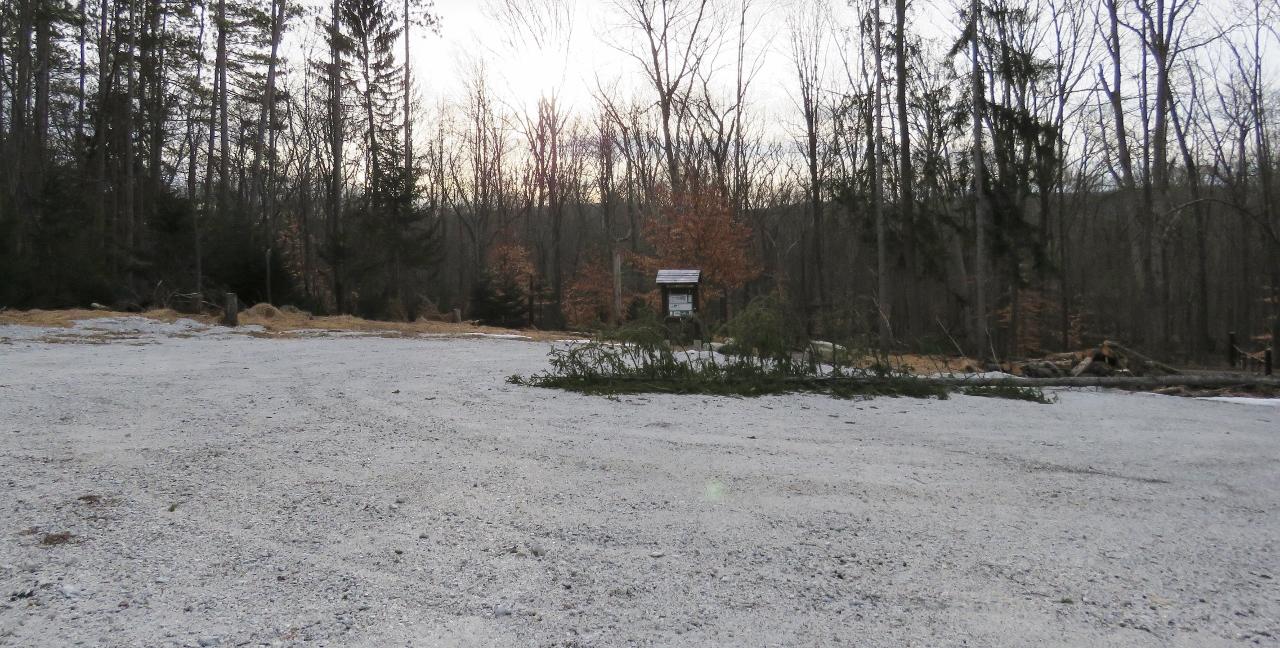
point(565, 58)
point(568, 58)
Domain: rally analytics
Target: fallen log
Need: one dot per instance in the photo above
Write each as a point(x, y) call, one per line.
point(1121, 382)
point(1145, 365)
point(1082, 367)
point(960, 380)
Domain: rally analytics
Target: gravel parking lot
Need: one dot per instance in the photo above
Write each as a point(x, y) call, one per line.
point(208, 488)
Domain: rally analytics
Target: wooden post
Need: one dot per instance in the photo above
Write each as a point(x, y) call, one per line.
point(617, 286)
point(1275, 335)
point(231, 311)
point(1231, 349)
point(1266, 362)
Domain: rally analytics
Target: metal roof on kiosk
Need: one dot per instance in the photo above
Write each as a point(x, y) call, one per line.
point(679, 276)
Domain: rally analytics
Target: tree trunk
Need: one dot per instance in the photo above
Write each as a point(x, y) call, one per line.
point(906, 171)
point(1124, 159)
point(335, 150)
point(979, 338)
point(1202, 339)
point(40, 136)
point(100, 135)
point(18, 187)
point(408, 95)
point(264, 179)
point(224, 142)
point(128, 156)
point(82, 71)
point(884, 298)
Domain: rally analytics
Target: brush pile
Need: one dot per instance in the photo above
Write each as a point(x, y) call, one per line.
point(1107, 359)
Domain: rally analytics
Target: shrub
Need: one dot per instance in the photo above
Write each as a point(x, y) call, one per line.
point(499, 301)
point(764, 331)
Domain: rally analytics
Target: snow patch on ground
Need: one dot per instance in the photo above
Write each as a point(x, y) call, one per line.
point(328, 333)
point(143, 326)
point(127, 327)
point(12, 332)
point(1245, 400)
point(977, 375)
point(500, 336)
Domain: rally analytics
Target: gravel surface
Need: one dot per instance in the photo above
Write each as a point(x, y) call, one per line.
point(228, 490)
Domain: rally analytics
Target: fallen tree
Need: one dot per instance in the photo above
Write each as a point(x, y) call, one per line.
point(898, 381)
point(1107, 359)
point(764, 360)
point(1119, 382)
point(606, 369)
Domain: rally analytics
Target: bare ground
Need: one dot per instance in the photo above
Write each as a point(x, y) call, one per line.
point(363, 491)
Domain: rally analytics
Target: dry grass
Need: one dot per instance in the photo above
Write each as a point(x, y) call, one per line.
point(264, 310)
point(93, 338)
point(281, 324)
point(916, 363)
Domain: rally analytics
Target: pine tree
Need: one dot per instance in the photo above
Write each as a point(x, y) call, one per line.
point(397, 235)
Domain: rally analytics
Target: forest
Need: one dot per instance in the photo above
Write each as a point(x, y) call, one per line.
point(1047, 174)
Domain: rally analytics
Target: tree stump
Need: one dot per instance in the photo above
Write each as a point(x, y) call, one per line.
point(231, 311)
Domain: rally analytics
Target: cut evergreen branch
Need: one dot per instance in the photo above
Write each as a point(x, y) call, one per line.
point(765, 352)
point(1012, 392)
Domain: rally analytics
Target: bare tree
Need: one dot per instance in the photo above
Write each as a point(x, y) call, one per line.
point(906, 169)
point(884, 296)
point(808, 51)
point(676, 36)
point(980, 339)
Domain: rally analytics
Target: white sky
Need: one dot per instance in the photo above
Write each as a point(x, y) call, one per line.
point(574, 55)
point(520, 71)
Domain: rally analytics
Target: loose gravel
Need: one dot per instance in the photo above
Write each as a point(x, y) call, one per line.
point(228, 490)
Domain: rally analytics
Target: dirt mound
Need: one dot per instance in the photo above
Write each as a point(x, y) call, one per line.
point(264, 310)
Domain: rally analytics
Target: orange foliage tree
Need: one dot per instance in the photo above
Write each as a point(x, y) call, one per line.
point(511, 263)
point(696, 229)
point(589, 296)
point(693, 229)
point(500, 295)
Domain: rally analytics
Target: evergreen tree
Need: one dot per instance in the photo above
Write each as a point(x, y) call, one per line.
point(397, 235)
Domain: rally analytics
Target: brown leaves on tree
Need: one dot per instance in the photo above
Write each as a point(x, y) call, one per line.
point(511, 263)
point(589, 296)
point(696, 229)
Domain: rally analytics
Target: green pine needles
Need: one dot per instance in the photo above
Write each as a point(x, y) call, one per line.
point(766, 356)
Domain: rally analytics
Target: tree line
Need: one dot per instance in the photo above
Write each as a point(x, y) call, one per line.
point(1047, 173)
